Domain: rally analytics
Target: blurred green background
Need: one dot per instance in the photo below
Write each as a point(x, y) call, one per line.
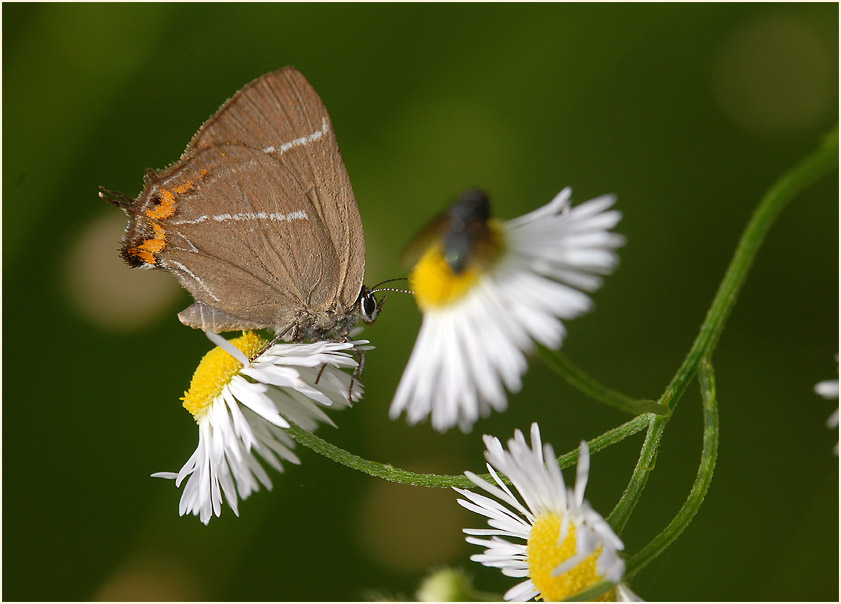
point(687, 112)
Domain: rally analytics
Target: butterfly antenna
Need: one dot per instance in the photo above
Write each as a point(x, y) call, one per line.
point(377, 287)
point(116, 198)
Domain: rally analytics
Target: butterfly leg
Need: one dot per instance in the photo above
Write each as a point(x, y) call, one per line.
point(274, 341)
point(320, 371)
point(357, 373)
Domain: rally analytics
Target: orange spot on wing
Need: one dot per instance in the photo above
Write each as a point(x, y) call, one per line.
point(144, 255)
point(183, 188)
point(203, 173)
point(146, 251)
point(165, 208)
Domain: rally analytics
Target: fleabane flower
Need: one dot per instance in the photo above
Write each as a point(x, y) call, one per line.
point(242, 406)
point(829, 390)
point(488, 291)
point(550, 536)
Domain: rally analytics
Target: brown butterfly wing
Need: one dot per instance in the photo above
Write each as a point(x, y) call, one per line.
point(245, 240)
point(282, 116)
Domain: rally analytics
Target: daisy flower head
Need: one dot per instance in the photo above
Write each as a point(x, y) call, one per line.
point(829, 390)
point(488, 291)
point(241, 405)
point(549, 536)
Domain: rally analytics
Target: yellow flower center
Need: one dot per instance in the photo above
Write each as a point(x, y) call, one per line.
point(545, 553)
point(215, 370)
point(434, 282)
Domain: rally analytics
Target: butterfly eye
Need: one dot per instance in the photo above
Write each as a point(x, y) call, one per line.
point(369, 307)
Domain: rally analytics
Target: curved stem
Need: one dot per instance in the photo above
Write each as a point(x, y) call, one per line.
point(373, 468)
point(392, 474)
point(611, 437)
point(559, 362)
point(655, 547)
point(803, 174)
point(690, 507)
point(618, 518)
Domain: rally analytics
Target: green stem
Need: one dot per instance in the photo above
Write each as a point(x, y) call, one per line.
point(611, 437)
point(803, 174)
point(559, 362)
point(373, 468)
point(621, 513)
point(392, 474)
point(797, 178)
point(655, 547)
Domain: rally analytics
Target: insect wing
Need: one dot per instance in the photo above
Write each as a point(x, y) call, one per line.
point(282, 116)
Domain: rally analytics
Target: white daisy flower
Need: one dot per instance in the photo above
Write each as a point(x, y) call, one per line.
point(241, 407)
point(829, 390)
point(550, 536)
point(489, 290)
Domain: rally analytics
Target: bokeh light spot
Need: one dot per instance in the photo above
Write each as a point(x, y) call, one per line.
point(409, 529)
point(105, 290)
point(772, 77)
point(150, 579)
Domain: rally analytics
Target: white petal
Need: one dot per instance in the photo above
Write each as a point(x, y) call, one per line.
point(240, 430)
point(468, 352)
point(532, 469)
point(827, 388)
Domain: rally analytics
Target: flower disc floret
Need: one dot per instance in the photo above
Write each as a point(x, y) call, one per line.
point(242, 403)
point(547, 534)
point(215, 371)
